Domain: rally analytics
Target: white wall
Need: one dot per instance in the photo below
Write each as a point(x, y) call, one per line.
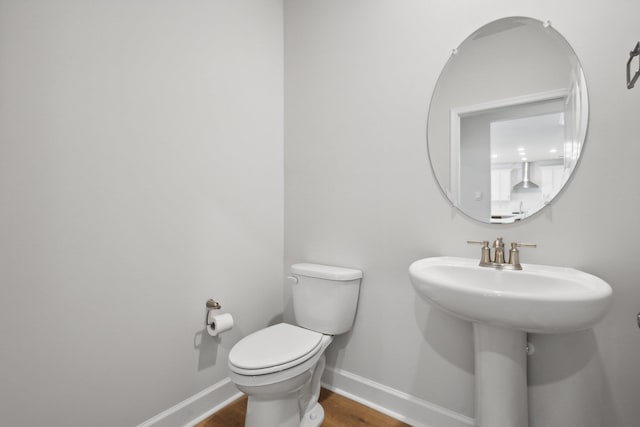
point(359, 192)
point(140, 174)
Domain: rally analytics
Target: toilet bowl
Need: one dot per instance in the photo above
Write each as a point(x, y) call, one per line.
point(280, 367)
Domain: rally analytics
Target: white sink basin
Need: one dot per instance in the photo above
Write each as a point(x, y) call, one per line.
point(542, 299)
point(504, 305)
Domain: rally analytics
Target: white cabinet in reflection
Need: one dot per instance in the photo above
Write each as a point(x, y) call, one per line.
point(500, 185)
point(550, 180)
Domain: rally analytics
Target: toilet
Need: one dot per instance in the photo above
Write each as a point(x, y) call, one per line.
point(279, 367)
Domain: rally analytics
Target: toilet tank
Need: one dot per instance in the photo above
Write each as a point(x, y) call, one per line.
point(325, 297)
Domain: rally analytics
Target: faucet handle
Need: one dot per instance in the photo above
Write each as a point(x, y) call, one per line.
point(485, 257)
point(524, 245)
point(479, 242)
point(514, 254)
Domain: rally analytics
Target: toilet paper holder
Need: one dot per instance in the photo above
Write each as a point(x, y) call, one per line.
point(213, 304)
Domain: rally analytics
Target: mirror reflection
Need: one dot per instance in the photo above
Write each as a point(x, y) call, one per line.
point(507, 120)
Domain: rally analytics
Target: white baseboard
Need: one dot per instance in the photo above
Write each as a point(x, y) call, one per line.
point(197, 407)
point(396, 404)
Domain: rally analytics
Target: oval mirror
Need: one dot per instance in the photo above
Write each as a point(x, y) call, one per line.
point(507, 120)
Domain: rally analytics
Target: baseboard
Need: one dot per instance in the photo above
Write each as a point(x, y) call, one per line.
point(399, 405)
point(197, 407)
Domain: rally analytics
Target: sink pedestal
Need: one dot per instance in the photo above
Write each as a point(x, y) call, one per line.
point(501, 377)
point(539, 299)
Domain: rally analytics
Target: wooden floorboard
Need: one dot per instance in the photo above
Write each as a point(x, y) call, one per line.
point(231, 415)
point(338, 412)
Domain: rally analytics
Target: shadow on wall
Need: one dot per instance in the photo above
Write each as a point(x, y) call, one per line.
point(566, 377)
point(335, 352)
point(559, 356)
point(567, 382)
point(563, 355)
point(449, 336)
point(207, 346)
point(444, 374)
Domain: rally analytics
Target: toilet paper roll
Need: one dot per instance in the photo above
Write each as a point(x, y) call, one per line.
point(216, 324)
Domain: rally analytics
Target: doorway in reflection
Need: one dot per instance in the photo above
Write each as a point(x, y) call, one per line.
point(512, 159)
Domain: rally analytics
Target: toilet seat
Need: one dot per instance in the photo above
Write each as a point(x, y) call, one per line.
point(273, 349)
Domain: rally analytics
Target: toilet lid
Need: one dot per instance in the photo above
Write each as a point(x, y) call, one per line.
point(275, 346)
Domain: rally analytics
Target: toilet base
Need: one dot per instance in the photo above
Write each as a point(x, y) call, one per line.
point(289, 403)
point(281, 412)
point(314, 417)
point(275, 405)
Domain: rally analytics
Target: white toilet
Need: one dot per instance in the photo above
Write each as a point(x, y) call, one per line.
point(279, 367)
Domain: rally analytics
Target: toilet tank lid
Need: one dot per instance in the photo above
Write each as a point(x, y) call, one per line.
point(328, 272)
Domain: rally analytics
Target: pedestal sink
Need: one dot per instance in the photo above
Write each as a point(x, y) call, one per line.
point(504, 305)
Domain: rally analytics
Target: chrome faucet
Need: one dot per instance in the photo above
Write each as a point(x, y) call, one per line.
point(497, 261)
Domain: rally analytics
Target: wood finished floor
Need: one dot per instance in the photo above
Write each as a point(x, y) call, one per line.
point(338, 412)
